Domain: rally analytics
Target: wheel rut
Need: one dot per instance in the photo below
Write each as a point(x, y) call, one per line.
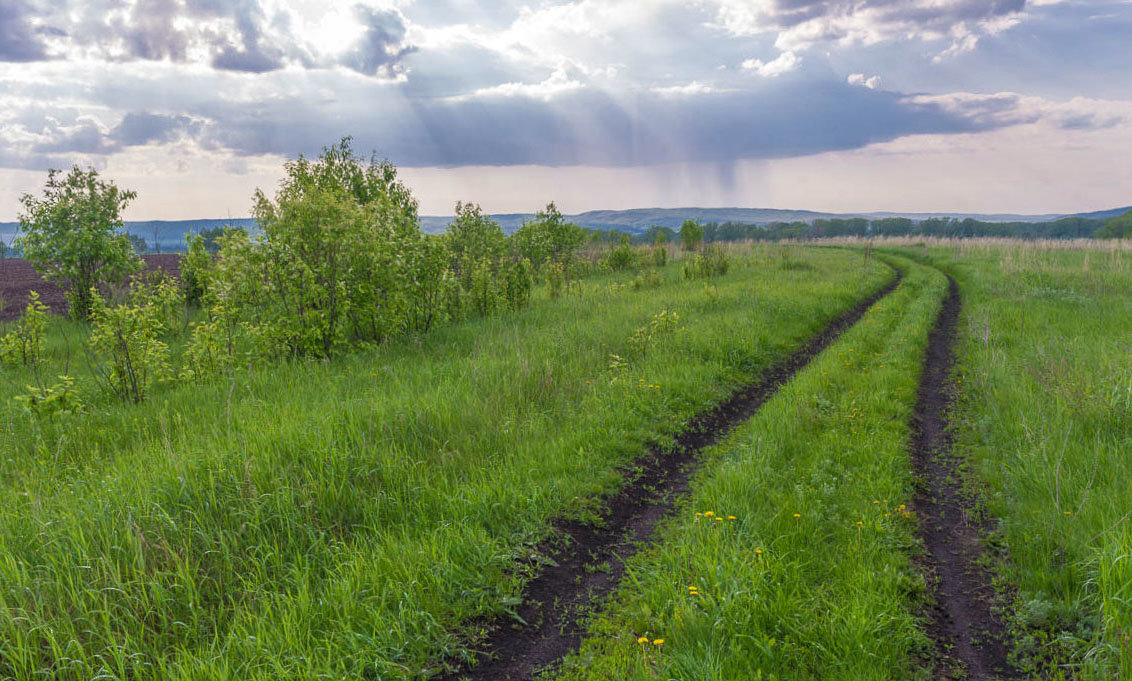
point(586, 562)
point(969, 637)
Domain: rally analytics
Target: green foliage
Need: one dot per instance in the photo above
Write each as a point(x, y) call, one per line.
point(1119, 227)
point(711, 262)
point(622, 256)
point(73, 235)
point(196, 264)
point(127, 338)
point(517, 283)
point(659, 255)
point(47, 402)
point(691, 235)
point(660, 325)
point(474, 238)
point(24, 343)
point(648, 279)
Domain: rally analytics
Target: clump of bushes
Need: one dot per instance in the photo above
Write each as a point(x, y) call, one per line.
point(712, 261)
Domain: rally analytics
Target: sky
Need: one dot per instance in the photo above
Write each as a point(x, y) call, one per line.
point(840, 105)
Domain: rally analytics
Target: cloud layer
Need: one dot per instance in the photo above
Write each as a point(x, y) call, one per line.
point(451, 83)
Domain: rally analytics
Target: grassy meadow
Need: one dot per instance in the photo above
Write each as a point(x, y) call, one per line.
point(353, 518)
point(790, 558)
point(1045, 424)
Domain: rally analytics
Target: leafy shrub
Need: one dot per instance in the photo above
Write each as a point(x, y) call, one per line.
point(73, 236)
point(663, 323)
point(128, 336)
point(517, 283)
point(647, 279)
point(711, 262)
point(621, 257)
point(53, 400)
point(196, 264)
point(24, 343)
point(659, 256)
point(691, 235)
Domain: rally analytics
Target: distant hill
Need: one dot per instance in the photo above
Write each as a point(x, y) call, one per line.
point(170, 234)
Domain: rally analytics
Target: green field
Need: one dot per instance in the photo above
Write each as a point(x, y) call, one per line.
point(377, 514)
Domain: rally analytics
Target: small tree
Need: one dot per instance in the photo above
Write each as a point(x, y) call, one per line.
point(73, 235)
point(691, 235)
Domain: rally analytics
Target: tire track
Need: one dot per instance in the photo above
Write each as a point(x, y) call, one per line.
point(969, 637)
point(549, 625)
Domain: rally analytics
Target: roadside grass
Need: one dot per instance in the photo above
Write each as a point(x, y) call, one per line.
point(353, 518)
point(790, 557)
point(1044, 422)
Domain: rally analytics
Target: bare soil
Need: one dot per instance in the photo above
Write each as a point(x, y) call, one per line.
point(969, 636)
point(17, 278)
point(587, 561)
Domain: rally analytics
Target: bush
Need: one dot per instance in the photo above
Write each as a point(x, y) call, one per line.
point(53, 400)
point(73, 236)
point(196, 264)
point(712, 262)
point(128, 336)
point(621, 257)
point(24, 343)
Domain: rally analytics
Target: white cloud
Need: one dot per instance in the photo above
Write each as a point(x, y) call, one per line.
point(556, 83)
point(872, 82)
point(693, 88)
point(783, 63)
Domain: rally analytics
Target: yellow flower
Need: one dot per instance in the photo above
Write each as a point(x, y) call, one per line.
point(709, 514)
point(1069, 513)
point(758, 552)
point(859, 523)
point(699, 515)
point(658, 642)
point(731, 517)
point(797, 515)
point(718, 519)
point(643, 639)
point(876, 501)
point(901, 507)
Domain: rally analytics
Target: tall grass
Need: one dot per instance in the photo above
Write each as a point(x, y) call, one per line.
point(790, 559)
point(350, 519)
point(1045, 423)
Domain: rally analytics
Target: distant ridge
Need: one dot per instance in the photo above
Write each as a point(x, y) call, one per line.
point(170, 234)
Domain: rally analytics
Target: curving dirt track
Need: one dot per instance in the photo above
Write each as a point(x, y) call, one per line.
point(17, 278)
point(969, 637)
point(549, 620)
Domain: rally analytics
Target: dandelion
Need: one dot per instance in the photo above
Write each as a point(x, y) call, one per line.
point(731, 517)
point(718, 519)
point(901, 507)
point(1069, 513)
point(797, 515)
point(860, 524)
point(709, 514)
point(758, 552)
point(658, 642)
point(643, 639)
point(699, 515)
point(876, 501)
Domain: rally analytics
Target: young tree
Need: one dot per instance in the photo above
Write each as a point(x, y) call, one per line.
point(473, 237)
point(73, 235)
point(691, 235)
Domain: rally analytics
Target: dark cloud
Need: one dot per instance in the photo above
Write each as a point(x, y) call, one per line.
point(383, 45)
point(18, 42)
point(145, 128)
point(590, 127)
point(87, 138)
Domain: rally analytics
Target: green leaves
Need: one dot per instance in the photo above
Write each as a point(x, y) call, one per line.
point(72, 235)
